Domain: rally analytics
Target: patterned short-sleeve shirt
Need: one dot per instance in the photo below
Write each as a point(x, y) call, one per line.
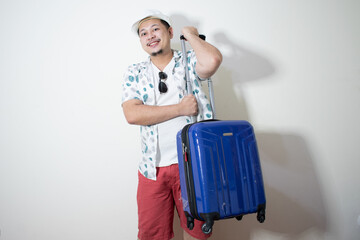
point(139, 84)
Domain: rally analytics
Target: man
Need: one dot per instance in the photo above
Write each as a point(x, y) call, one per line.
point(154, 97)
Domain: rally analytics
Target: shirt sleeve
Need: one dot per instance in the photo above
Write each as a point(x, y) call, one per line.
point(130, 86)
point(205, 110)
point(193, 61)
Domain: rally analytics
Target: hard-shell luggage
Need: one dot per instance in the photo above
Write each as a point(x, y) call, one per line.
point(220, 172)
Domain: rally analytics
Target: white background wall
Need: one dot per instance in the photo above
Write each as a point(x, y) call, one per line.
point(68, 159)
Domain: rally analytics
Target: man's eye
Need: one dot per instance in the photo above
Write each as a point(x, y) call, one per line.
point(143, 34)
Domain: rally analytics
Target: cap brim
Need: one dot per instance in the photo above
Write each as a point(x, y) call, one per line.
point(135, 26)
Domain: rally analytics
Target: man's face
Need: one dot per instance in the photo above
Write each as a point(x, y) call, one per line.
point(154, 37)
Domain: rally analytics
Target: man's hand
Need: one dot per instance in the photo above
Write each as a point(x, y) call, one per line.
point(188, 106)
point(189, 32)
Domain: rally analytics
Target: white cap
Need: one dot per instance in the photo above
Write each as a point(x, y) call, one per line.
point(150, 14)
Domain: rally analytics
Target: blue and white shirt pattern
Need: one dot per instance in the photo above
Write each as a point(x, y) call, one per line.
point(139, 84)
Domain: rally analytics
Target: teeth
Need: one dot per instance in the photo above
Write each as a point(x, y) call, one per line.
point(152, 43)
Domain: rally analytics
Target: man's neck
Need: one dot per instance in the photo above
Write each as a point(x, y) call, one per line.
point(162, 60)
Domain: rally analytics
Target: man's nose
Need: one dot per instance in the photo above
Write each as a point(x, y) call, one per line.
point(151, 35)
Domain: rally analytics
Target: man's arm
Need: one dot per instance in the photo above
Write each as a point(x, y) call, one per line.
point(140, 114)
point(208, 57)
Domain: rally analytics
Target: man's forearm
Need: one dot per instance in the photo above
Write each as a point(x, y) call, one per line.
point(208, 57)
point(141, 114)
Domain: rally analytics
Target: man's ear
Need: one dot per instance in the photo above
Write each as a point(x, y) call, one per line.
point(171, 32)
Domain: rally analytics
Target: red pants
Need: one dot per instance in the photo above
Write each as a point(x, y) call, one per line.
point(156, 203)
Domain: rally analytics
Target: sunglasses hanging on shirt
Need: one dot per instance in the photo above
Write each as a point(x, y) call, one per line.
point(162, 85)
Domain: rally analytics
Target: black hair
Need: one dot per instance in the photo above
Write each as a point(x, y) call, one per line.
point(167, 25)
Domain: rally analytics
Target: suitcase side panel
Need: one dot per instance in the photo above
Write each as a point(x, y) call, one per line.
point(253, 187)
point(184, 194)
point(227, 172)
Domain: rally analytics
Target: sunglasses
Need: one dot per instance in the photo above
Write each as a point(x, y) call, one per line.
point(162, 85)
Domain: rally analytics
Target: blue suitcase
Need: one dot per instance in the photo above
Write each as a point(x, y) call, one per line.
point(220, 172)
point(219, 166)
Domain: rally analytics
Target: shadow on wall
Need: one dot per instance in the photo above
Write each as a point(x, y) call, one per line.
point(295, 205)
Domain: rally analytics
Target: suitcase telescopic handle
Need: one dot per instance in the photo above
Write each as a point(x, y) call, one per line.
point(188, 83)
point(203, 37)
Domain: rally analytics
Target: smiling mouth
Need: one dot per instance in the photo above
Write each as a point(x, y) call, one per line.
point(153, 43)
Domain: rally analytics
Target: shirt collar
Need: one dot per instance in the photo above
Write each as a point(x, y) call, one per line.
point(177, 55)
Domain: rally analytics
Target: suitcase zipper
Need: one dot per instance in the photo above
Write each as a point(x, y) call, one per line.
point(190, 189)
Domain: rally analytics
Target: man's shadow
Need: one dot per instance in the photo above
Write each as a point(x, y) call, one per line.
point(294, 197)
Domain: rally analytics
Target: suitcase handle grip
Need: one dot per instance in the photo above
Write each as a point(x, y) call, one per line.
point(203, 37)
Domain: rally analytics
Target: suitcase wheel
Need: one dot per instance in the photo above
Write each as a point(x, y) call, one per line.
point(206, 228)
point(239, 217)
point(261, 215)
point(190, 223)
